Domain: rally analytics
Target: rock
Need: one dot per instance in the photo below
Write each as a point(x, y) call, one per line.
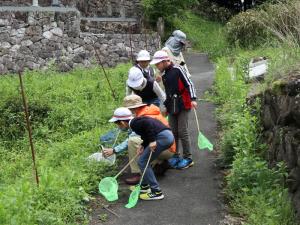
point(78, 50)
point(31, 65)
point(121, 46)
point(57, 31)
point(20, 32)
point(46, 27)
point(48, 35)
point(293, 179)
point(77, 59)
point(5, 45)
point(64, 67)
point(3, 69)
point(34, 30)
point(53, 24)
point(4, 22)
point(15, 47)
point(26, 43)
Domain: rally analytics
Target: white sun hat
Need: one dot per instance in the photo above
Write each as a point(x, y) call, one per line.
point(135, 77)
point(143, 55)
point(121, 114)
point(159, 56)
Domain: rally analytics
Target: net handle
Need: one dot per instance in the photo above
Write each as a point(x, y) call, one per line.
point(146, 167)
point(124, 168)
point(197, 121)
point(119, 131)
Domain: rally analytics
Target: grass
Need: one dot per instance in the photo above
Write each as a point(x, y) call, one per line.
point(68, 112)
point(206, 36)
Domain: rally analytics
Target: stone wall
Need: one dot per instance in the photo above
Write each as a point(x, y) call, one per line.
point(281, 122)
point(33, 39)
point(91, 8)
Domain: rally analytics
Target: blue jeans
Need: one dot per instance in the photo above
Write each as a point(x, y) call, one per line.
point(164, 140)
point(154, 101)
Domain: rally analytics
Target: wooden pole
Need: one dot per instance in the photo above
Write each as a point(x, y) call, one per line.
point(130, 40)
point(29, 128)
point(105, 74)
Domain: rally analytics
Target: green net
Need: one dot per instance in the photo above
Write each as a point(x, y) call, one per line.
point(108, 187)
point(134, 197)
point(204, 143)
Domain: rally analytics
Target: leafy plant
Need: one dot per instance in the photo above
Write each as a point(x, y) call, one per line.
point(68, 112)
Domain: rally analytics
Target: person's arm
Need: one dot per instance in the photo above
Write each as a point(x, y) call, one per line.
point(121, 147)
point(187, 83)
point(159, 92)
point(184, 65)
point(129, 91)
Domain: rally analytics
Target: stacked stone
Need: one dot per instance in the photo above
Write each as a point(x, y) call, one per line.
point(281, 122)
point(109, 27)
point(37, 39)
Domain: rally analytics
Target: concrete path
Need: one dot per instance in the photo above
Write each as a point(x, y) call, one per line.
point(191, 196)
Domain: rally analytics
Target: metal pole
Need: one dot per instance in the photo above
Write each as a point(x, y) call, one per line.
point(105, 74)
point(29, 128)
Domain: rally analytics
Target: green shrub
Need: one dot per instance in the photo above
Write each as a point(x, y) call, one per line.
point(283, 21)
point(12, 120)
point(213, 11)
point(251, 175)
point(167, 9)
point(246, 30)
point(271, 207)
point(206, 36)
point(68, 112)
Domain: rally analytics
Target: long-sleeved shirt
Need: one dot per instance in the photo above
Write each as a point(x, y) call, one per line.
point(148, 128)
point(177, 60)
point(176, 81)
point(124, 145)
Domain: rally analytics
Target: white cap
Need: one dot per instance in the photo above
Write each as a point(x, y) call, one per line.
point(159, 56)
point(120, 114)
point(135, 77)
point(143, 55)
point(180, 36)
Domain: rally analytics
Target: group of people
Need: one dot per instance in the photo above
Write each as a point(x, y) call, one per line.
point(155, 114)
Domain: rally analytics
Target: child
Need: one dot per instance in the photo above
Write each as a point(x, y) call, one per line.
point(156, 138)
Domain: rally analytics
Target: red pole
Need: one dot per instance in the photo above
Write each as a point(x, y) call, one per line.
point(29, 129)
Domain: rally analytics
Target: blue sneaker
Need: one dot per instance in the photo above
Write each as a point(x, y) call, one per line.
point(174, 161)
point(185, 163)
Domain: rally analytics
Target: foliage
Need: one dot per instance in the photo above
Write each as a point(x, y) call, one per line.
point(246, 30)
point(213, 11)
point(69, 112)
point(206, 36)
point(167, 9)
point(255, 191)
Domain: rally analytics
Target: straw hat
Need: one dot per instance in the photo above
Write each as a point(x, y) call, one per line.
point(133, 101)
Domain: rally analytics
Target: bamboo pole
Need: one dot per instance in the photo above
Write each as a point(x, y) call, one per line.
point(105, 74)
point(29, 128)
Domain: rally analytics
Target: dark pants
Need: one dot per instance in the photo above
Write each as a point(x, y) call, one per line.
point(164, 140)
point(179, 124)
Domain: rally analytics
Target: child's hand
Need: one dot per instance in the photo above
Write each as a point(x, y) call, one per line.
point(158, 78)
point(194, 104)
point(153, 146)
point(140, 150)
point(107, 152)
